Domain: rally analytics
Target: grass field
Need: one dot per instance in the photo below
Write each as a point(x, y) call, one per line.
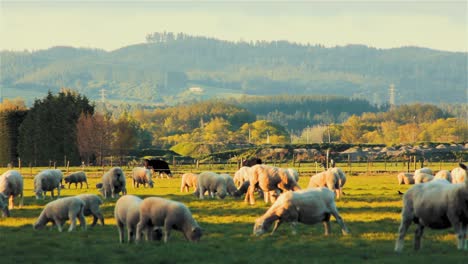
point(371, 209)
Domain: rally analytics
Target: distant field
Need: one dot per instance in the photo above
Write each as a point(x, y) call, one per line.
point(371, 209)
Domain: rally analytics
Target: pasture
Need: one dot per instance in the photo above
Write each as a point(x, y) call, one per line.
point(371, 210)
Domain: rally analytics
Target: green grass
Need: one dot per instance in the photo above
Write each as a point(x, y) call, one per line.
point(371, 209)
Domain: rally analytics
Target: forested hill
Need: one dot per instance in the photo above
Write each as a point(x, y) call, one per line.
point(173, 68)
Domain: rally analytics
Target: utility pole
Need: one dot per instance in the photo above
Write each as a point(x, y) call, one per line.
point(103, 95)
point(391, 91)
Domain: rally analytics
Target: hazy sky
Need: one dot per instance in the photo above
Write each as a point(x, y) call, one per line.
point(109, 25)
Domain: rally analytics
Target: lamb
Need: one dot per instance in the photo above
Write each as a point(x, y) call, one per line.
point(77, 177)
point(142, 175)
point(211, 182)
point(168, 214)
point(113, 182)
point(443, 174)
point(458, 175)
point(127, 214)
point(422, 177)
point(437, 205)
point(11, 186)
point(61, 210)
point(242, 175)
point(230, 186)
point(405, 178)
point(188, 180)
point(271, 181)
point(92, 203)
point(308, 206)
point(47, 180)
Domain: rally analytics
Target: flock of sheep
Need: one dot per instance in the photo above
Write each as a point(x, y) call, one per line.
point(435, 201)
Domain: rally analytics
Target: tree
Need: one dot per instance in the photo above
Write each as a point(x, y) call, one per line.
point(125, 135)
point(11, 117)
point(352, 130)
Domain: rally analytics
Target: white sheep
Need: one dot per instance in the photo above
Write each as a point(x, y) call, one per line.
point(230, 186)
point(47, 180)
point(327, 179)
point(271, 180)
point(459, 175)
point(188, 180)
point(421, 177)
point(405, 178)
point(59, 211)
point(308, 206)
point(294, 173)
point(341, 180)
point(127, 215)
point(168, 214)
point(443, 174)
point(113, 182)
point(142, 175)
point(242, 175)
point(77, 177)
point(438, 205)
point(11, 186)
point(212, 183)
point(424, 170)
point(92, 203)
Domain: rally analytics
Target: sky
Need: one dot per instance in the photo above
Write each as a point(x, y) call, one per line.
point(109, 25)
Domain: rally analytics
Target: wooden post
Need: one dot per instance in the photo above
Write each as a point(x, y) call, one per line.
point(19, 164)
point(55, 165)
point(68, 166)
point(414, 162)
point(198, 164)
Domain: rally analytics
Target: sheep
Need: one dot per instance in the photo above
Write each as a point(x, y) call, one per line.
point(308, 206)
point(61, 210)
point(188, 180)
point(443, 174)
point(47, 180)
point(168, 214)
point(11, 186)
point(271, 181)
point(405, 178)
point(127, 214)
point(458, 175)
point(242, 175)
point(211, 182)
point(422, 177)
point(294, 173)
point(424, 170)
point(341, 180)
point(113, 182)
point(230, 186)
point(77, 177)
point(438, 205)
point(142, 175)
point(92, 203)
point(327, 179)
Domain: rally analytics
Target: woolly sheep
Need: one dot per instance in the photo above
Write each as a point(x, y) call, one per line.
point(11, 186)
point(422, 177)
point(188, 180)
point(405, 178)
point(294, 173)
point(230, 186)
point(242, 175)
point(211, 182)
point(47, 180)
point(77, 177)
point(308, 206)
point(61, 210)
point(424, 170)
point(325, 179)
point(113, 182)
point(459, 175)
point(168, 214)
point(127, 214)
point(142, 175)
point(437, 205)
point(341, 180)
point(271, 181)
point(443, 174)
point(92, 203)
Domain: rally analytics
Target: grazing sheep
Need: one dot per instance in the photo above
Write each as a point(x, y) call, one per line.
point(325, 179)
point(405, 178)
point(459, 175)
point(424, 170)
point(443, 174)
point(211, 182)
point(113, 182)
point(422, 177)
point(47, 180)
point(142, 176)
point(127, 214)
point(61, 210)
point(160, 212)
point(308, 206)
point(11, 186)
point(294, 173)
point(188, 180)
point(230, 186)
point(341, 180)
point(242, 175)
point(92, 203)
point(437, 205)
point(77, 177)
point(271, 181)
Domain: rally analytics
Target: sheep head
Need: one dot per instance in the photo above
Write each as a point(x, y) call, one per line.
point(195, 234)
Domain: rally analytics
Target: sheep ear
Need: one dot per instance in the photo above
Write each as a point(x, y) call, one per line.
point(463, 166)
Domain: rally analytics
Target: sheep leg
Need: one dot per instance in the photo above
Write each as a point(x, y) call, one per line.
point(460, 231)
point(130, 234)
point(81, 185)
point(11, 203)
point(339, 220)
point(72, 222)
point(58, 223)
point(167, 233)
point(404, 225)
point(140, 227)
point(120, 228)
point(326, 227)
point(277, 224)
